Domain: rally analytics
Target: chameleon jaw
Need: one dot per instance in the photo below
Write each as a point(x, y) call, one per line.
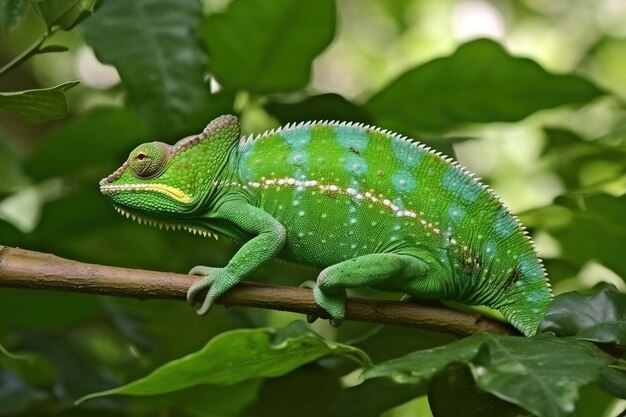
point(172, 192)
point(162, 224)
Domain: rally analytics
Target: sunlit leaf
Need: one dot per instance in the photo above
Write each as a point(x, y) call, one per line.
point(38, 106)
point(236, 356)
point(480, 82)
point(153, 45)
point(266, 46)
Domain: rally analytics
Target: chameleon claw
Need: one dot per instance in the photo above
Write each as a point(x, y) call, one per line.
point(196, 288)
point(310, 318)
point(335, 322)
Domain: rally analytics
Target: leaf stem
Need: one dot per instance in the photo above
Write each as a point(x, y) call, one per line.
point(33, 50)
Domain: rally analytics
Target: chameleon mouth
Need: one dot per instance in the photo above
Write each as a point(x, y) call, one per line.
point(172, 192)
point(196, 230)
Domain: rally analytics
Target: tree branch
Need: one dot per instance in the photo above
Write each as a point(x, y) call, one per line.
point(35, 270)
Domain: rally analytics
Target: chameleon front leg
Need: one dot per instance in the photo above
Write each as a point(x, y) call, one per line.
point(269, 240)
point(388, 270)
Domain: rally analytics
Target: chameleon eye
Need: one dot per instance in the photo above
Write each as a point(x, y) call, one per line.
point(148, 160)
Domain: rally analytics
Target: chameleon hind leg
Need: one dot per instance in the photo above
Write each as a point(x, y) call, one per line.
point(378, 270)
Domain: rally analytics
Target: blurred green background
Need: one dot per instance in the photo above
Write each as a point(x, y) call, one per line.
point(527, 94)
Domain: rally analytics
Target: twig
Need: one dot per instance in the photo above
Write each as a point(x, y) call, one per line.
point(35, 270)
point(32, 50)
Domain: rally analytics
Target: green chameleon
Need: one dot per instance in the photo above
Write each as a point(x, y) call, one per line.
point(372, 208)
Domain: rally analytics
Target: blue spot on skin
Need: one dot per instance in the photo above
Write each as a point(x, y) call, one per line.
point(406, 152)
point(530, 267)
point(504, 225)
point(351, 137)
point(458, 183)
point(403, 181)
point(490, 249)
point(398, 202)
point(299, 158)
point(296, 138)
point(246, 173)
point(355, 164)
point(456, 213)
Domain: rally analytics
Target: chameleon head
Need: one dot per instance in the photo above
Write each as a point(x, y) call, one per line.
point(172, 180)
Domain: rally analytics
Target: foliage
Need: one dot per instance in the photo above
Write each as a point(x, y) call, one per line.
point(180, 63)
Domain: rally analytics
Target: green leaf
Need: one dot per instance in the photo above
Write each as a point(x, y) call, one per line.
point(372, 397)
point(420, 366)
point(4, 351)
point(480, 82)
point(569, 155)
point(11, 13)
point(283, 395)
point(597, 317)
point(236, 356)
point(322, 107)
point(267, 46)
point(64, 14)
point(572, 221)
point(38, 106)
point(457, 382)
point(203, 400)
point(90, 147)
point(153, 44)
point(541, 374)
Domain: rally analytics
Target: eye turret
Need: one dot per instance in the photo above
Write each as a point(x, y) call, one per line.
point(148, 160)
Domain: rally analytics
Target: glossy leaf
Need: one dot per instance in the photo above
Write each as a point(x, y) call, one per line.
point(480, 82)
point(457, 382)
point(236, 356)
point(598, 317)
point(38, 106)
point(541, 374)
point(64, 14)
point(153, 46)
point(267, 46)
point(11, 13)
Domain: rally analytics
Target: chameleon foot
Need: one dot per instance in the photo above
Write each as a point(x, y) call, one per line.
point(216, 281)
point(334, 305)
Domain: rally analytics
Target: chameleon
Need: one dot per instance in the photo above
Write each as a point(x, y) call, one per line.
point(366, 206)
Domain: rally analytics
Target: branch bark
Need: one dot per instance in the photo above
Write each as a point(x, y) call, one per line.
point(21, 268)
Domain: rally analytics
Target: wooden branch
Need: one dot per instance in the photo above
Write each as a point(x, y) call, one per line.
point(35, 270)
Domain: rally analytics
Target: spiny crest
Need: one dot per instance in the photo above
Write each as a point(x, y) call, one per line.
point(227, 121)
point(418, 145)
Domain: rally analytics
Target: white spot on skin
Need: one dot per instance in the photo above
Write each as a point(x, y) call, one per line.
point(352, 221)
point(301, 213)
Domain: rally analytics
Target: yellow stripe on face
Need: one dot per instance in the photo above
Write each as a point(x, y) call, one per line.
point(175, 193)
point(168, 190)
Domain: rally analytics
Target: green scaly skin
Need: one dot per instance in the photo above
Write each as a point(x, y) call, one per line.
point(371, 208)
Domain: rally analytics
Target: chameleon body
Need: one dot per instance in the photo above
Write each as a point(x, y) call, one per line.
point(368, 207)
